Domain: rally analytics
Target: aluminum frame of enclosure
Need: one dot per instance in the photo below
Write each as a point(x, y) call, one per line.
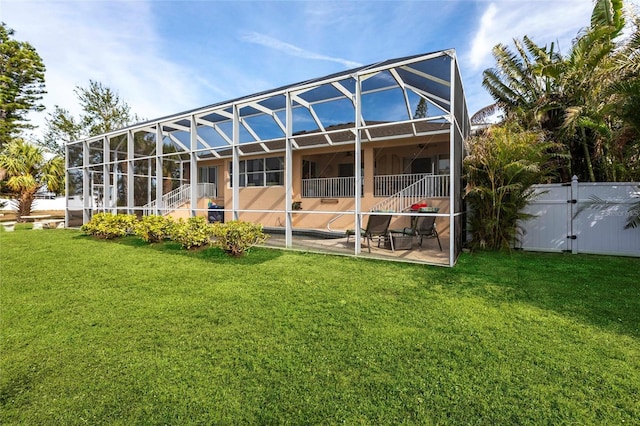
point(131, 169)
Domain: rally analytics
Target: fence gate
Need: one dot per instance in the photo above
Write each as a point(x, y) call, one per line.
point(582, 218)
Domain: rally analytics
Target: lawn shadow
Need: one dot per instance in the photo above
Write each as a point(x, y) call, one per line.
point(600, 290)
point(254, 256)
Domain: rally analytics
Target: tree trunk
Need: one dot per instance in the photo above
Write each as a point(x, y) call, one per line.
point(25, 202)
point(587, 156)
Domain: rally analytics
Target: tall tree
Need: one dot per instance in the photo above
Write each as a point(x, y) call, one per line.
point(587, 71)
point(61, 128)
point(102, 111)
point(28, 171)
point(421, 109)
point(577, 98)
point(21, 84)
point(523, 83)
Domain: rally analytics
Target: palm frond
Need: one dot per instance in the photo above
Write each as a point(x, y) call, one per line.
point(608, 13)
point(634, 216)
point(483, 113)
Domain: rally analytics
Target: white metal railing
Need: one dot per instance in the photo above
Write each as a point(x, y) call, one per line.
point(179, 196)
point(387, 185)
point(339, 187)
point(428, 187)
point(419, 184)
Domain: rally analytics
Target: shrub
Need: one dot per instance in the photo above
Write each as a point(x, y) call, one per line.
point(237, 237)
point(502, 165)
point(154, 229)
point(109, 225)
point(193, 233)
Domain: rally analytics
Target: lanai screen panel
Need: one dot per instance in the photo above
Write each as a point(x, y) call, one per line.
point(406, 97)
point(461, 132)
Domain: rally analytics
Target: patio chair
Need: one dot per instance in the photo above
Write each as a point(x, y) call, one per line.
point(426, 227)
point(377, 227)
point(421, 226)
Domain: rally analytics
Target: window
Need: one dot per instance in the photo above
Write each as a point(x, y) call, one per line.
point(444, 165)
point(417, 165)
point(260, 172)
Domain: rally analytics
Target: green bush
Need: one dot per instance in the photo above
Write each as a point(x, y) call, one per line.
point(193, 233)
point(109, 225)
point(154, 229)
point(236, 237)
point(502, 165)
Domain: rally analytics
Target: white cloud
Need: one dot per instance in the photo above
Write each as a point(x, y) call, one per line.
point(482, 43)
point(544, 22)
point(290, 49)
point(114, 43)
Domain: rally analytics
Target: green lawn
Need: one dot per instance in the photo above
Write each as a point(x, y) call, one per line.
point(96, 332)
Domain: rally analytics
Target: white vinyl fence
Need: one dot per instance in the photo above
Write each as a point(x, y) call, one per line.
point(583, 218)
point(58, 203)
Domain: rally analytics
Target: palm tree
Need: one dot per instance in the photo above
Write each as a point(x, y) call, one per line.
point(582, 99)
point(523, 83)
point(588, 71)
point(27, 171)
point(503, 164)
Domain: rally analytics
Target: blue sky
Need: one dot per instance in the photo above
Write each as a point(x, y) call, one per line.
point(164, 56)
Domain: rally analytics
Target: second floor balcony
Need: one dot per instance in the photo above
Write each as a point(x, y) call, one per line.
point(420, 184)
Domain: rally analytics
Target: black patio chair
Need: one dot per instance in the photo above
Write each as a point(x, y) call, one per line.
point(426, 227)
point(421, 226)
point(377, 227)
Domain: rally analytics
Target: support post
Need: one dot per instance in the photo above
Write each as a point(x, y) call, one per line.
point(193, 166)
point(86, 184)
point(452, 159)
point(288, 167)
point(235, 148)
point(106, 177)
point(66, 185)
point(159, 173)
point(130, 185)
point(358, 177)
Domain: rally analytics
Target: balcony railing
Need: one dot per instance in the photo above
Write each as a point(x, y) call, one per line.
point(340, 187)
point(387, 185)
point(422, 184)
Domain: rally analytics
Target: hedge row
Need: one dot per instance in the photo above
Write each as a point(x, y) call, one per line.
point(235, 237)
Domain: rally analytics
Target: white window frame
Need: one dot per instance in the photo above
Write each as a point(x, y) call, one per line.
point(262, 173)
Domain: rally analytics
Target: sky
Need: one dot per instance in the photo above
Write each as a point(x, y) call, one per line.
point(167, 56)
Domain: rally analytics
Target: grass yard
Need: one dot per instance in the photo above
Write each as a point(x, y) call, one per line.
point(96, 332)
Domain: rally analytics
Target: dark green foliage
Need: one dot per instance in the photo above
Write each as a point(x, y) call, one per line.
point(586, 99)
point(21, 84)
point(109, 225)
point(154, 229)
point(421, 109)
point(502, 165)
point(61, 128)
point(102, 111)
point(237, 237)
point(192, 233)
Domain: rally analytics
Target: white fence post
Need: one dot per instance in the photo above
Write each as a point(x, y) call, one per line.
point(573, 210)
